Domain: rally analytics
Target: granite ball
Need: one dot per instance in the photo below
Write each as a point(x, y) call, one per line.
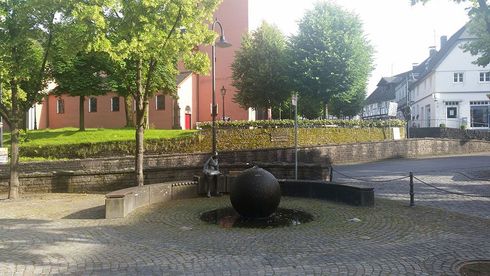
point(255, 193)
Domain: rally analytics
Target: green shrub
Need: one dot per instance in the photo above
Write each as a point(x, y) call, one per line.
point(228, 138)
point(303, 124)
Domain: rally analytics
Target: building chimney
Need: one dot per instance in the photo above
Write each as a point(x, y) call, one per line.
point(432, 51)
point(443, 41)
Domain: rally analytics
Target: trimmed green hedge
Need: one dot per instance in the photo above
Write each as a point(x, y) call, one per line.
point(227, 139)
point(111, 149)
point(304, 124)
point(241, 139)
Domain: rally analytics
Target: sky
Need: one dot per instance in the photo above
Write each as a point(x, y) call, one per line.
point(400, 33)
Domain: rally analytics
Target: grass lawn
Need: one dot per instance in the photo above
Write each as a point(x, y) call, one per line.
point(64, 136)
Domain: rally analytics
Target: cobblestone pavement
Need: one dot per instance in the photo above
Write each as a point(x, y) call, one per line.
point(64, 234)
point(458, 184)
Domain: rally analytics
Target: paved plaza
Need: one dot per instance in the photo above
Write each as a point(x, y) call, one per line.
point(66, 233)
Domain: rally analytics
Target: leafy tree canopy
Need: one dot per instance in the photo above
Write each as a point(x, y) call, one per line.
point(330, 55)
point(148, 39)
point(260, 69)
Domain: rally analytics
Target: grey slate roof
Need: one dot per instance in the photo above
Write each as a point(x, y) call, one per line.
point(386, 89)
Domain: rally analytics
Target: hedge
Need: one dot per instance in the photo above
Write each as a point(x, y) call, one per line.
point(227, 139)
point(303, 124)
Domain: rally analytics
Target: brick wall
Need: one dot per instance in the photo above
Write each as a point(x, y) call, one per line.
point(107, 174)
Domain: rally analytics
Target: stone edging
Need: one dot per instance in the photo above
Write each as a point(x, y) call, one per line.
point(120, 203)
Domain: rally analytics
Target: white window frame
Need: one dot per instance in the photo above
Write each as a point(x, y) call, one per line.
point(458, 77)
point(486, 77)
point(90, 105)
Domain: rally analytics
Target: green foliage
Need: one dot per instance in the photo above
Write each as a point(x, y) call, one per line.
point(304, 124)
point(259, 138)
point(260, 69)
point(27, 32)
point(110, 148)
point(93, 143)
point(85, 74)
point(71, 143)
point(25, 29)
point(147, 33)
point(349, 103)
point(148, 39)
point(330, 59)
point(66, 136)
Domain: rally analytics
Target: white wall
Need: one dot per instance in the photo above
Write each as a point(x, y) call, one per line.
point(185, 99)
point(439, 87)
point(460, 61)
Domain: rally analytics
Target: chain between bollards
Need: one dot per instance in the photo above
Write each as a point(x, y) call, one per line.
point(412, 194)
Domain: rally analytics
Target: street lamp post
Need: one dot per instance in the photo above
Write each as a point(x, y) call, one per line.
point(222, 43)
point(223, 93)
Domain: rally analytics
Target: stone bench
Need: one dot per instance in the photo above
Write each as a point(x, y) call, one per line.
point(118, 204)
point(346, 193)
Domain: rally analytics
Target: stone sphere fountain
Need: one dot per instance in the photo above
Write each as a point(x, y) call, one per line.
point(255, 196)
point(256, 193)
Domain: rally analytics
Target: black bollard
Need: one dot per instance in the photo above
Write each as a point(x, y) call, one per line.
point(412, 194)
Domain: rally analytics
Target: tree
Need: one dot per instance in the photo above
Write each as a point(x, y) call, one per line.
point(85, 74)
point(330, 56)
point(149, 38)
point(348, 104)
point(27, 29)
point(479, 26)
point(260, 69)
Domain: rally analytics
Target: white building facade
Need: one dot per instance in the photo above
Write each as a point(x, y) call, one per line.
point(452, 92)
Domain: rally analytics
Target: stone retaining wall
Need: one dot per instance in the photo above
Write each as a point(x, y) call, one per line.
point(108, 174)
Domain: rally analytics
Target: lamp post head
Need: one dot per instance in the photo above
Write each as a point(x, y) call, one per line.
point(222, 43)
point(223, 91)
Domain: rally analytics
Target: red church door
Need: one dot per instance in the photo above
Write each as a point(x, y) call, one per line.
point(187, 121)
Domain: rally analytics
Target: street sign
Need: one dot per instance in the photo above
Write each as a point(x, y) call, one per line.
point(294, 100)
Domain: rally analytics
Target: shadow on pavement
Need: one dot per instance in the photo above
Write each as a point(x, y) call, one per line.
point(97, 212)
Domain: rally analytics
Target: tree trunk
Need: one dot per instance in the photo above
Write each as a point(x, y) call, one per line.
point(81, 126)
point(129, 111)
point(146, 120)
point(140, 150)
point(14, 183)
point(140, 127)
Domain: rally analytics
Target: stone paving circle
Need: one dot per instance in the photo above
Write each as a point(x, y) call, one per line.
point(66, 234)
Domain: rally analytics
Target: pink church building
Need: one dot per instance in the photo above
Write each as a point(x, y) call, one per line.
point(194, 91)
